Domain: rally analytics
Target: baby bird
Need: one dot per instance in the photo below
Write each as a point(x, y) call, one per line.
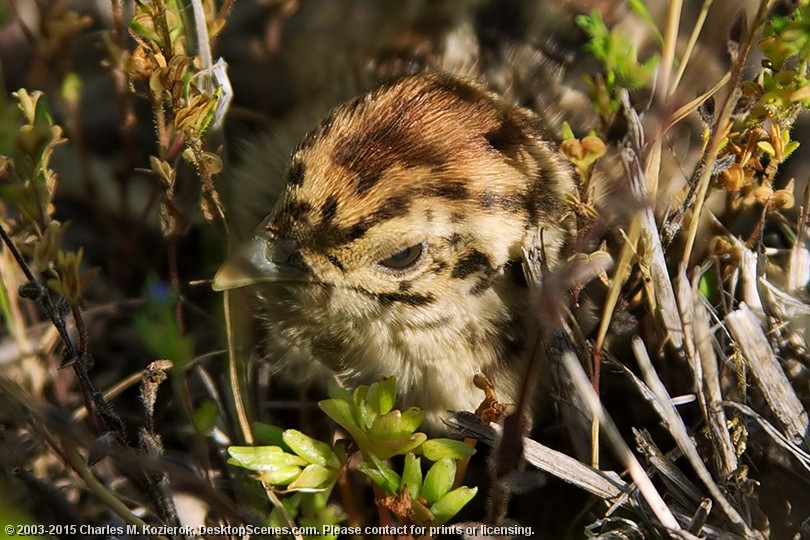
point(396, 246)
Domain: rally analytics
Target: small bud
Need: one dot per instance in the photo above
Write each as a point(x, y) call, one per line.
point(572, 149)
point(762, 194)
point(733, 178)
point(782, 200)
point(593, 145)
point(138, 65)
point(724, 249)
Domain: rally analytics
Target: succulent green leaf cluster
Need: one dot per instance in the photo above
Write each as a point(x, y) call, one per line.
point(303, 464)
point(368, 415)
point(432, 498)
point(382, 432)
point(309, 510)
point(614, 49)
point(308, 466)
point(785, 44)
point(35, 141)
point(786, 36)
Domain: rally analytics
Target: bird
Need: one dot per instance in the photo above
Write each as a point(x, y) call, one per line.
point(395, 247)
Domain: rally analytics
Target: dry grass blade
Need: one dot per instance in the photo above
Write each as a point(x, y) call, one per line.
point(685, 110)
point(674, 13)
point(725, 456)
point(802, 456)
point(719, 131)
point(16, 398)
point(685, 490)
point(679, 432)
point(799, 269)
point(659, 290)
point(703, 363)
point(235, 360)
point(605, 485)
point(770, 377)
point(622, 451)
point(690, 45)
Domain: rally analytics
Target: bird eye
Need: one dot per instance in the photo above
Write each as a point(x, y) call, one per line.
point(403, 259)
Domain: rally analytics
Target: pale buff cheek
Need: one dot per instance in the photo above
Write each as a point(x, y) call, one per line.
point(501, 234)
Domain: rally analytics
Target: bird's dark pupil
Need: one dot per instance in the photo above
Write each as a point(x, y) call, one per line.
point(402, 255)
point(404, 258)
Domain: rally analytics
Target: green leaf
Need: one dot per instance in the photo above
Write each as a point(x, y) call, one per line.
point(317, 512)
point(393, 426)
point(33, 139)
point(364, 415)
point(396, 425)
point(263, 458)
point(411, 419)
point(341, 412)
point(280, 476)
point(448, 506)
point(436, 449)
point(27, 102)
point(382, 395)
point(277, 517)
point(381, 474)
point(359, 394)
point(412, 475)
point(290, 505)
point(315, 502)
point(385, 449)
point(766, 147)
point(205, 416)
point(708, 287)
point(438, 480)
point(314, 478)
point(266, 434)
point(567, 132)
point(310, 449)
point(338, 392)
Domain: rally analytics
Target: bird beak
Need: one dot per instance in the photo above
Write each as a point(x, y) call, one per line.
point(251, 264)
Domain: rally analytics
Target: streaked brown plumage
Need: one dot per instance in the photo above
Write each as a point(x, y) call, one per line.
point(396, 246)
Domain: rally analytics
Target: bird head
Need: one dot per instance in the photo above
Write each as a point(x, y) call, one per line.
point(401, 228)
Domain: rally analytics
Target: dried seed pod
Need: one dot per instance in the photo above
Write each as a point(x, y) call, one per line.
point(762, 194)
point(782, 200)
point(733, 178)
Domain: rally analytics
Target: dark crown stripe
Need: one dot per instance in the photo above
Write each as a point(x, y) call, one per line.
point(296, 175)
